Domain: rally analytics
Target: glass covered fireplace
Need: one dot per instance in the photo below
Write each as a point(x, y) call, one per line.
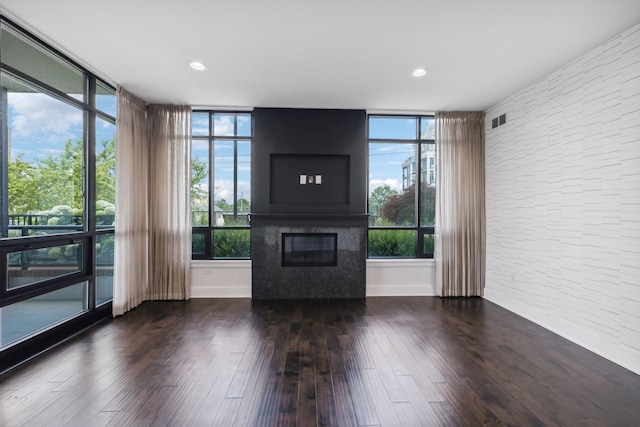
point(297, 256)
point(309, 249)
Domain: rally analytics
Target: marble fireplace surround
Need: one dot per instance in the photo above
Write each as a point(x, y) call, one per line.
point(272, 280)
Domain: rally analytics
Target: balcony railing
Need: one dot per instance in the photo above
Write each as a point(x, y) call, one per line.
point(22, 225)
point(32, 224)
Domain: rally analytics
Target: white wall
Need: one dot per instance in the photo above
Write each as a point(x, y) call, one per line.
point(400, 277)
point(227, 279)
point(563, 201)
point(221, 279)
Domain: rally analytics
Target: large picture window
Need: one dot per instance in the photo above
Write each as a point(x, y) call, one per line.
point(401, 186)
point(221, 184)
point(57, 195)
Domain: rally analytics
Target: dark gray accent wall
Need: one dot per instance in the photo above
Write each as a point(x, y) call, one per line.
point(326, 133)
point(288, 143)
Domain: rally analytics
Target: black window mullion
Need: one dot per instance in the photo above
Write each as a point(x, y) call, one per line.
point(235, 168)
point(90, 192)
point(416, 189)
point(208, 240)
point(4, 165)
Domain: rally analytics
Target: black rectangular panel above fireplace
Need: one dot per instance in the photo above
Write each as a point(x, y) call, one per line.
point(309, 179)
point(288, 143)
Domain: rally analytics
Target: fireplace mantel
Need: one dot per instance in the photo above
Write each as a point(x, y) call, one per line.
point(304, 219)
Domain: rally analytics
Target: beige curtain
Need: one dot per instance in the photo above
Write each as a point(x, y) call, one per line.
point(169, 202)
point(153, 214)
point(460, 212)
point(131, 270)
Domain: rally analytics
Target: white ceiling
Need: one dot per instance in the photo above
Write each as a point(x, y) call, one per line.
point(325, 53)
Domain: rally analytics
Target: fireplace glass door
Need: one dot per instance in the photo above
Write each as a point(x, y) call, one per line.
point(309, 249)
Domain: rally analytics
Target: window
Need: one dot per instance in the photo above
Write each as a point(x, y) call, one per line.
point(57, 195)
point(221, 184)
point(401, 207)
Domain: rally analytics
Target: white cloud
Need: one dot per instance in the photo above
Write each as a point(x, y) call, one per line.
point(199, 145)
point(244, 190)
point(393, 183)
point(223, 125)
point(42, 118)
point(222, 146)
point(105, 124)
point(384, 148)
point(224, 190)
point(200, 125)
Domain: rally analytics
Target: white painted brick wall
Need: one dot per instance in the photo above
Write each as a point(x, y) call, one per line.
point(563, 201)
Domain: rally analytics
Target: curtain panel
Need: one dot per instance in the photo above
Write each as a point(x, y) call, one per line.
point(169, 202)
point(153, 213)
point(131, 268)
point(460, 207)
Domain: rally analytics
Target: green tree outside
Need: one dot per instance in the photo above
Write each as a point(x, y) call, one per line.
point(57, 180)
point(22, 186)
point(378, 199)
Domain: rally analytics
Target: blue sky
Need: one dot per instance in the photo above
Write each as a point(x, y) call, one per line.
point(223, 153)
point(385, 159)
point(40, 125)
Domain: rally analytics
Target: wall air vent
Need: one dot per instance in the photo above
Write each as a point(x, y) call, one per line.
point(499, 121)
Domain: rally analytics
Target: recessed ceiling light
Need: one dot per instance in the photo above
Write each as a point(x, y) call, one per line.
point(419, 72)
point(197, 66)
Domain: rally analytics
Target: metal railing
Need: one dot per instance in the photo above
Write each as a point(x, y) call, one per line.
point(32, 224)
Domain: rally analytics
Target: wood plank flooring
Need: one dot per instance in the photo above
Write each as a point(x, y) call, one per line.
point(381, 362)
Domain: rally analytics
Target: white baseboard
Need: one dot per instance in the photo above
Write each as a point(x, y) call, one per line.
point(385, 277)
point(400, 290)
point(222, 292)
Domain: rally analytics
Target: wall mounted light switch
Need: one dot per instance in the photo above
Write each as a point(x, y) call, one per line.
point(303, 179)
point(318, 179)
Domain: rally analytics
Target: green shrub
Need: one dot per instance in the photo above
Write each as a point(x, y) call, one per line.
point(428, 244)
point(71, 251)
point(56, 253)
point(232, 243)
point(62, 210)
point(197, 243)
point(392, 243)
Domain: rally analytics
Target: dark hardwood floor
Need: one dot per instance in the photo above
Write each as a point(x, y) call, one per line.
point(384, 361)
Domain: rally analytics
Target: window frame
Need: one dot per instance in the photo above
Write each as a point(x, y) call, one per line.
point(421, 231)
point(208, 231)
point(86, 234)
